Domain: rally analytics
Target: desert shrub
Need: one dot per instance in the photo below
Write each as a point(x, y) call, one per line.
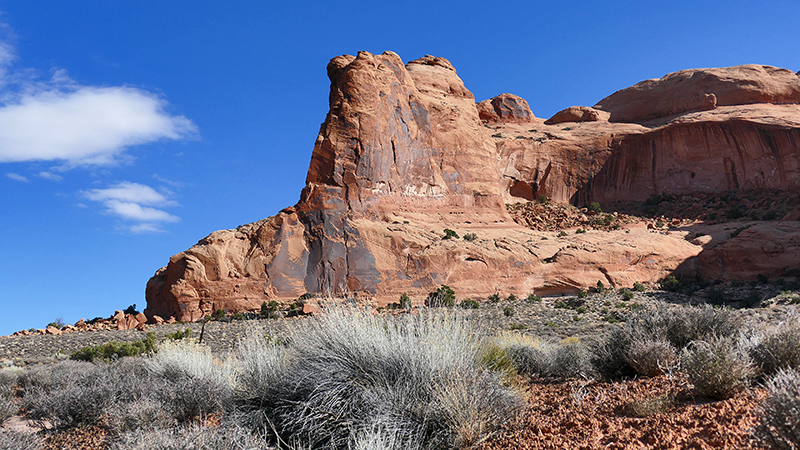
point(718, 367)
point(508, 311)
point(494, 298)
point(13, 440)
point(449, 234)
point(609, 354)
point(131, 310)
point(115, 350)
point(561, 234)
point(443, 296)
point(533, 298)
point(580, 231)
point(190, 438)
point(582, 293)
point(639, 287)
point(511, 298)
point(8, 407)
point(497, 358)
point(626, 294)
point(469, 237)
point(780, 412)
point(531, 356)
point(680, 326)
point(650, 356)
point(571, 359)
point(600, 286)
point(71, 396)
point(418, 376)
point(779, 348)
point(198, 384)
point(470, 304)
point(142, 414)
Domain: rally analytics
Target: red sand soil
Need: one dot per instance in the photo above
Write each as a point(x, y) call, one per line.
point(590, 415)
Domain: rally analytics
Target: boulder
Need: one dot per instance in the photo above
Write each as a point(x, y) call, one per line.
point(52, 330)
point(505, 108)
point(578, 114)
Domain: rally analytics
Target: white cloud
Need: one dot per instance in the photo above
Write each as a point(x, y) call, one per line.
point(85, 125)
point(17, 177)
point(61, 120)
point(49, 176)
point(135, 202)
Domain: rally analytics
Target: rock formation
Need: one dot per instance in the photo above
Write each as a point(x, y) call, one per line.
point(405, 153)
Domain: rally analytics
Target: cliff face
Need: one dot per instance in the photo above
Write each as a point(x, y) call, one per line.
point(405, 152)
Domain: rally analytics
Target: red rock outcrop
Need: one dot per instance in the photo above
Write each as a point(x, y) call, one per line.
point(691, 90)
point(405, 153)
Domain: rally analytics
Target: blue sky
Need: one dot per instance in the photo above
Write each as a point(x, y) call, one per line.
point(131, 129)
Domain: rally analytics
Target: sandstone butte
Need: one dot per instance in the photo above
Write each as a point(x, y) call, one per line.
point(405, 153)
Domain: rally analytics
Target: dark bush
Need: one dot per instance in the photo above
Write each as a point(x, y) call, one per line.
point(779, 348)
point(443, 296)
point(469, 304)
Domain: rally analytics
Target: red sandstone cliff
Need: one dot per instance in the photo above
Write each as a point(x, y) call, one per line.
point(405, 152)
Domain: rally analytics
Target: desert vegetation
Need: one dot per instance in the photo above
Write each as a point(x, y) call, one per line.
point(353, 379)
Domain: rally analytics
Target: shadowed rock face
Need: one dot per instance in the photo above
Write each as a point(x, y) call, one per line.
point(405, 153)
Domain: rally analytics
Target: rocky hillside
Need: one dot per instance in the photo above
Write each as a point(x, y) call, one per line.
point(409, 180)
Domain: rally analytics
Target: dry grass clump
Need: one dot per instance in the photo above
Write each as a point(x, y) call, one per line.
point(12, 440)
point(779, 426)
point(650, 406)
point(719, 367)
point(348, 376)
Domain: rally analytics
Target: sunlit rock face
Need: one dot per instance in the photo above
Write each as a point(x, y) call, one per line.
point(405, 152)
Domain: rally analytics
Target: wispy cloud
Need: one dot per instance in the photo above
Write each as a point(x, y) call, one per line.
point(134, 202)
point(17, 177)
point(49, 176)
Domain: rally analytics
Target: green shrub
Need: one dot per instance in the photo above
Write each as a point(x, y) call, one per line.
point(670, 284)
point(449, 234)
point(131, 310)
point(718, 368)
point(626, 294)
point(511, 298)
point(780, 412)
point(469, 304)
point(580, 231)
point(561, 233)
point(594, 206)
point(571, 359)
point(115, 350)
point(469, 237)
point(517, 326)
point(508, 311)
point(494, 298)
point(639, 287)
point(600, 286)
point(533, 298)
point(443, 296)
point(405, 302)
point(582, 293)
point(178, 335)
point(58, 323)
